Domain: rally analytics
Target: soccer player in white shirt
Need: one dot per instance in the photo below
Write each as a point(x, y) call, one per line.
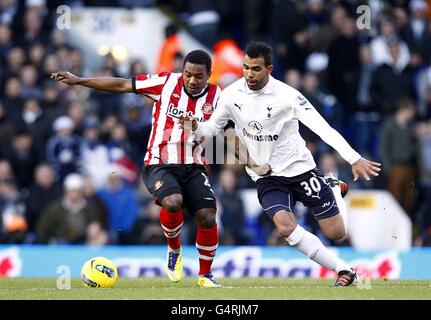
point(266, 113)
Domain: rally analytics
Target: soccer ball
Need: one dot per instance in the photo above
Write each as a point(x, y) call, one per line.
point(99, 272)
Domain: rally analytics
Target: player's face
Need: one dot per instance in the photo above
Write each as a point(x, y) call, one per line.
point(195, 77)
point(255, 72)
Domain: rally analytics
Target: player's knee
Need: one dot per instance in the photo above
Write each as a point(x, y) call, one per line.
point(337, 234)
point(205, 218)
point(173, 203)
point(286, 229)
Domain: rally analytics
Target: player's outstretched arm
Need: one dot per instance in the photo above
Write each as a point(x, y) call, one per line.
point(109, 84)
point(364, 168)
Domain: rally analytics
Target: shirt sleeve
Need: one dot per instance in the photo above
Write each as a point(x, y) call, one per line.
point(150, 85)
point(308, 115)
point(217, 121)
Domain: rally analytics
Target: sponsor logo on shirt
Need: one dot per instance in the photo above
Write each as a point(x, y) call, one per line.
point(174, 112)
point(256, 127)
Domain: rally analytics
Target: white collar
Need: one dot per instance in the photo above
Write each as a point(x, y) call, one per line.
point(267, 89)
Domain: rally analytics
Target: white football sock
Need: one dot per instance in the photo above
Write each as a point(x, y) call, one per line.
point(341, 204)
point(312, 247)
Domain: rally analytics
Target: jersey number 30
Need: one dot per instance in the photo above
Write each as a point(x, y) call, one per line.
point(311, 185)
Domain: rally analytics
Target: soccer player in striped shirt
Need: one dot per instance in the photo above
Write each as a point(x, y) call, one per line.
point(174, 167)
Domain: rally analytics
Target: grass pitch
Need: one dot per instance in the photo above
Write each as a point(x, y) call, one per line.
point(233, 289)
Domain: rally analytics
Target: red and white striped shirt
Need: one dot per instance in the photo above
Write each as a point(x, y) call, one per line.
point(168, 144)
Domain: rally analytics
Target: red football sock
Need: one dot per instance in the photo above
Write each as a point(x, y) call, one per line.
point(171, 223)
point(206, 243)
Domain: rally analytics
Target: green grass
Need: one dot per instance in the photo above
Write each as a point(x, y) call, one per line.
point(245, 288)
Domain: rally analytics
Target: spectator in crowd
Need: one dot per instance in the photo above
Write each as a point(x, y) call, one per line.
point(316, 14)
point(423, 132)
point(68, 219)
point(13, 225)
point(76, 112)
point(12, 101)
point(380, 45)
point(298, 49)
point(170, 47)
point(178, 63)
point(63, 149)
point(232, 209)
point(107, 102)
point(15, 62)
point(367, 113)
point(293, 78)
point(202, 20)
point(94, 154)
point(148, 228)
point(5, 169)
point(324, 102)
point(36, 55)
point(343, 57)
point(23, 156)
point(416, 33)
point(7, 128)
point(122, 207)
point(399, 153)
point(284, 18)
point(138, 129)
point(5, 42)
point(96, 233)
point(392, 79)
point(42, 192)
point(90, 194)
point(33, 119)
point(118, 144)
point(29, 78)
point(137, 66)
point(227, 62)
point(107, 126)
point(51, 102)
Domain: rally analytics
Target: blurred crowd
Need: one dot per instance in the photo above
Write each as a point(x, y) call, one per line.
point(70, 157)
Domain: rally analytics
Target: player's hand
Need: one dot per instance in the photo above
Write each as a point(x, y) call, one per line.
point(364, 168)
point(65, 77)
point(187, 122)
point(260, 170)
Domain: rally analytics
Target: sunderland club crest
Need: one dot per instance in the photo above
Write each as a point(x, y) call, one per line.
point(207, 110)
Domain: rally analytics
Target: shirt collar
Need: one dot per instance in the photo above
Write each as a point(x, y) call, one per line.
point(198, 95)
point(268, 89)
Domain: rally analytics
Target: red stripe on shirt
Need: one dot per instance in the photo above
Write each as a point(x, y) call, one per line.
point(167, 130)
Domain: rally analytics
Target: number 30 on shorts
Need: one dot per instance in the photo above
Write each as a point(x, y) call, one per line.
point(311, 185)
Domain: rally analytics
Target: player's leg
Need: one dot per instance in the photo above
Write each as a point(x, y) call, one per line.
point(278, 198)
point(206, 244)
point(165, 187)
point(200, 201)
point(326, 203)
point(335, 227)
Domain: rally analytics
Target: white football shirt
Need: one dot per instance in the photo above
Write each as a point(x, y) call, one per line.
point(266, 121)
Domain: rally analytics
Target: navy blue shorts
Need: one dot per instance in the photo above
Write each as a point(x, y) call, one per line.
point(311, 188)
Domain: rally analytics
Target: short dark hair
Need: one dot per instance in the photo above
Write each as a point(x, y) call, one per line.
point(198, 57)
point(404, 103)
point(260, 49)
